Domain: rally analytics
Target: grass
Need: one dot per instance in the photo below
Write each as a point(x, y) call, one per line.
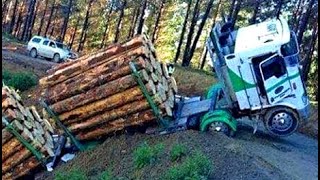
point(19, 80)
point(194, 167)
point(146, 154)
point(177, 152)
point(74, 174)
point(106, 175)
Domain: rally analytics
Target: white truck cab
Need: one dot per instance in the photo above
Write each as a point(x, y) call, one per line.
point(40, 46)
point(258, 66)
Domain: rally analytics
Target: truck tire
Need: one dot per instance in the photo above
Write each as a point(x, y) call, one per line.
point(281, 121)
point(33, 53)
point(221, 127)
point(56, 58)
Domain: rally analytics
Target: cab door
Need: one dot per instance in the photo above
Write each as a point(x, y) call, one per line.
point(275, 78)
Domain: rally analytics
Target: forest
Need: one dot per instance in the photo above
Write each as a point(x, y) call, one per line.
point(178, 28)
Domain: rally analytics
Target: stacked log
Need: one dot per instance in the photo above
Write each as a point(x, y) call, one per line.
point(97, 94)
point(17, 160)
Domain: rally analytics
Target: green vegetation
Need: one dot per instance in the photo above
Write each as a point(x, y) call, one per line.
point(19, 80)
point(177, 151)
point(73, 174)
point(106, 175)
point(146, 154)
point(194, 167)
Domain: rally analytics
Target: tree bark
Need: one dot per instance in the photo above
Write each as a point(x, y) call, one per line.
point(33, 20)
point(236, 12)
point(43, 16)
point(85, 27)
point(65, 22)
point(304, 21)
point(155, 30)
point(193, 47)
point(19, 20)
point(74, 32)
point(22, 169)
point(134, 22)
point(50, 17)
point(116, 125)
point(296, 14)
point(28, 20)
point(92, 79)
point(53, 25)
point(118, 29)
point(105, 34)
point(141, 18)
point(190, 35)
point(308, 58)
point(13, 18)
point(278, 8)
point(232, 7)
point(183, 32)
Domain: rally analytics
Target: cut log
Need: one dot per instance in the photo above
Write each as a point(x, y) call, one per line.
point(173, 85)
point(159, 68)
point(110, 115)
point(107, 104)
point(10, 148)
point(165, 84)
point(35, 114)
point(85, 64)
point(6, 136)
point(165, 70)
point(99, 75)
point(10, 114)
point(118, 124)
point(161, 92)
point(22, 169)
point(95, 94)
point(154, 77)
point(15, 159)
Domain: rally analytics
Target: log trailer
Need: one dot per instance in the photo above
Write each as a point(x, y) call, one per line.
point(259, 78)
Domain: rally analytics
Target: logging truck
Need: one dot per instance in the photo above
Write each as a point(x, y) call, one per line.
point(259, 78)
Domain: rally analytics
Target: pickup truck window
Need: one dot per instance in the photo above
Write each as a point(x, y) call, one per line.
point(45, 42)
point(36, 40)
point(52, 45)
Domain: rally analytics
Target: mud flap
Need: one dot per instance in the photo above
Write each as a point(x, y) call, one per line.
point(218, 116)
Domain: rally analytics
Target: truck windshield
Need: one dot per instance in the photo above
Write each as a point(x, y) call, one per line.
point(62, 46)
point(290, 51)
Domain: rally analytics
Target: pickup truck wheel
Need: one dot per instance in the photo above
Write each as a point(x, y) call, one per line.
point(56, 58)
point(33, 53)
point(220, 127)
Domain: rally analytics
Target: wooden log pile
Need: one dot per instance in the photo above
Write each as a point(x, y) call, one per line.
point(97, 94)
point(17, 160)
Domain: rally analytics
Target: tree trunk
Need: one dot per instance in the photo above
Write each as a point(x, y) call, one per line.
point(13, 19)
point(232, 7)
point(190, 35)
point(295, 14)
point(33, 20)
point(205, 53)
point(42, 18)
point(155, 30)
point(28, 20)
point(85, 27)
point(278, 8)
point(53, 25)
point(141, 18)
point(236, 12)
point(118, 29)
point(304, 21)
point(65, 22)
point(134, 22)
point(19, 20)
point(74, 32)
point(183, 32)
point(308, 58)
point(204, 19)
point(4, 9)
point(50, 17)
point(253, 19)
point(105, 34)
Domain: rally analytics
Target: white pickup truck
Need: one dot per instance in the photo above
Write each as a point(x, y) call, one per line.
point(41, 46)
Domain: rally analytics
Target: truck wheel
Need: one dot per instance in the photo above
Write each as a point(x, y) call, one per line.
point(221, 127)
point(33, 53)
point(281, 121)
point(56, 58)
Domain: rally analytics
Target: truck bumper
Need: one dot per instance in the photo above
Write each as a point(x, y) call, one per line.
point(304, 113)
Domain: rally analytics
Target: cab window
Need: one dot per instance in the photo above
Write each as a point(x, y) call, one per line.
point(52, 44)
point(273, 67)
point(45, 42)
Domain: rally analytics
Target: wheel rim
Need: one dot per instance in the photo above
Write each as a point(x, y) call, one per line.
point(56, 58)
point(282, 122)
point(218, 127)
point(33, 53)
